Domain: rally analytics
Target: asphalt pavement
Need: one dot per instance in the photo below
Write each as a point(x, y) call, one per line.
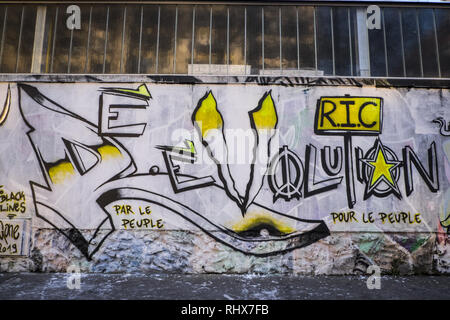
point(99, 286)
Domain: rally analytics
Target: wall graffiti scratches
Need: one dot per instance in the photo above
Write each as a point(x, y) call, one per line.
point(12, 234)
point(444, 126)
point(313, 81)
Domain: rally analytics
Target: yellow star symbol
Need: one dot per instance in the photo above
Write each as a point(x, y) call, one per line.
point(381, 168)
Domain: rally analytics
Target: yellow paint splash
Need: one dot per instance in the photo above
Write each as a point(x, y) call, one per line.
point(61, 172)
point(254, 219)
point(108, 152)
point(207, 117)
point(266, 116)
point(142, 90)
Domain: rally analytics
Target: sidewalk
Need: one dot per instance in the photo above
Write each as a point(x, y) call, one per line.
point(218, 287)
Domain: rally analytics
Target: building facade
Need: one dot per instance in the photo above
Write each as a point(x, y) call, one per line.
point(304, 137)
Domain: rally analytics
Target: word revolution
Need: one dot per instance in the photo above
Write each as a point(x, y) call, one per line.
point(379, 168)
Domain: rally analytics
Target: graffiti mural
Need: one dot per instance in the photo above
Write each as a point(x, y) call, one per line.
point(261, 169)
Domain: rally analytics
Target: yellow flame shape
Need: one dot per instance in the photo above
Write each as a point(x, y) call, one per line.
point(266, 116)
point(206, 116)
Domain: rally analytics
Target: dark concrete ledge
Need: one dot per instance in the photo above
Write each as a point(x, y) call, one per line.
point(437, 83)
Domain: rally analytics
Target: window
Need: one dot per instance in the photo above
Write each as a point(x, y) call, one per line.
point(17, 36)
point(411, 43)
point(200, 39)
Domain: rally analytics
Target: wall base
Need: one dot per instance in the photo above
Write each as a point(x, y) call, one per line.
point(187, 252)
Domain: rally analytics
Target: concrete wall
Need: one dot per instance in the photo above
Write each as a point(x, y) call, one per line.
point(124, 177)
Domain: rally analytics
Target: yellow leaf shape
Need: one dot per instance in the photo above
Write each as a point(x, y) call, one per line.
point(207, 116)
point(142, 90)
point(61, 172)
point(265, 115)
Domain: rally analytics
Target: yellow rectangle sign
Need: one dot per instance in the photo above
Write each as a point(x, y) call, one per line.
point(357, 115)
